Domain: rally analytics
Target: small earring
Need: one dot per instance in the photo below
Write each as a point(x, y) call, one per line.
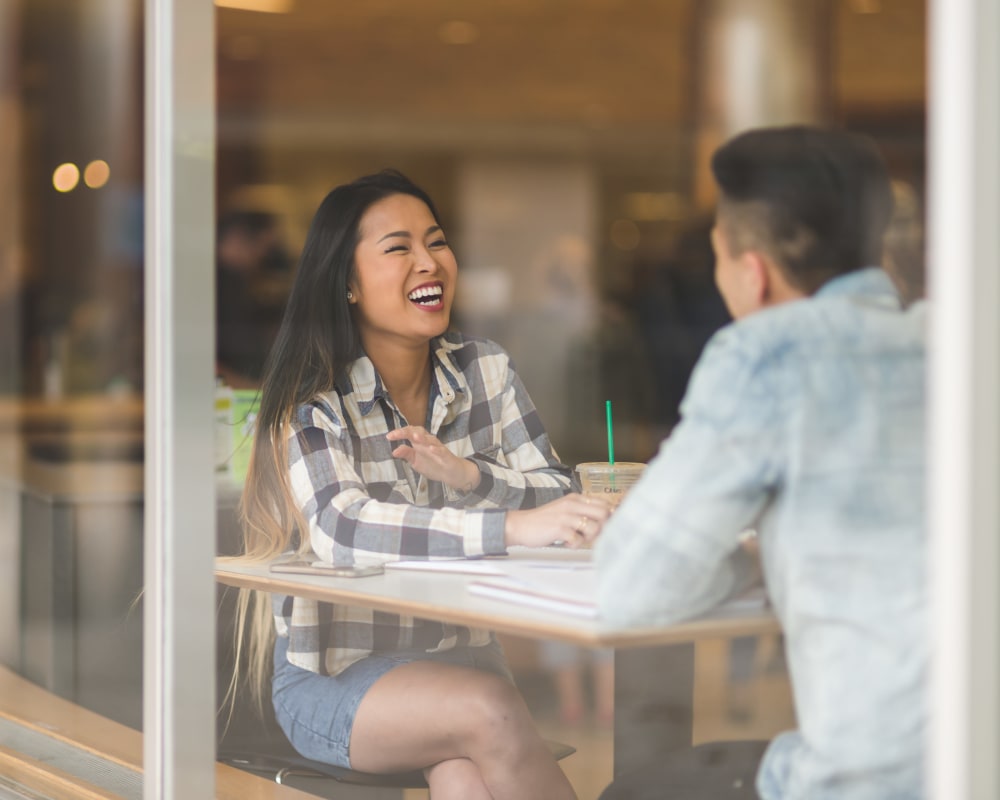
point(350, 295)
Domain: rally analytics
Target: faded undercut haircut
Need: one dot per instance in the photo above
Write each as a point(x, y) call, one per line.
point(816, 201)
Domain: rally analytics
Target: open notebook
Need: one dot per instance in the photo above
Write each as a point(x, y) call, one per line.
point(574, 591)
point(568, 591)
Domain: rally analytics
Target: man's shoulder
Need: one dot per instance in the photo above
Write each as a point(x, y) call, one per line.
point(866, 319)
point(771, 350)
point(762, 334)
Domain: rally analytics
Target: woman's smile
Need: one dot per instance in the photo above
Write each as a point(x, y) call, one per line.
point(428, 296)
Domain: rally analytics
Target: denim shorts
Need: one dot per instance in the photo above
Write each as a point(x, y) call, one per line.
point(316, 712)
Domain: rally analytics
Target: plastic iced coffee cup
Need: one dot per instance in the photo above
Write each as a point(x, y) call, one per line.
point(607, 480)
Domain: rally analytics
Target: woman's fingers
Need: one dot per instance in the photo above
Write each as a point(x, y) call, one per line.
point(573, 520)
point(592, 513)
point(415, 433)
point(424, 452)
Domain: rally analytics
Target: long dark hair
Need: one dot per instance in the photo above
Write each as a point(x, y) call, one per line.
point(316, 342)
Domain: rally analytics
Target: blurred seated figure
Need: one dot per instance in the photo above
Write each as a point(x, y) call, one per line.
point(904, 243)
point(568, 665)
point(13, 307)
point(678, 308)
point(248, 245)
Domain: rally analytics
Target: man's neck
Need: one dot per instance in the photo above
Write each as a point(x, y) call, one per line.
point(779, 289)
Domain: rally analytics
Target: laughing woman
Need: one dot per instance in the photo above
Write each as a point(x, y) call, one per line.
point(383, 435)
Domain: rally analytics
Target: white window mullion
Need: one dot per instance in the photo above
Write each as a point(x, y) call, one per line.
point(179, 596)
point(964, 462)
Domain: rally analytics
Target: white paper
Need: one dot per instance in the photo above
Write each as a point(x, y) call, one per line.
point(518, 591)
point(465, 566)
point(574, 591)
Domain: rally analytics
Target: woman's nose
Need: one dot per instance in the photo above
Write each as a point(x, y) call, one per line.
point(425, 261)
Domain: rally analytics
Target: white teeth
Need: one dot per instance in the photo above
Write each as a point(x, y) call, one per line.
point(425, 292)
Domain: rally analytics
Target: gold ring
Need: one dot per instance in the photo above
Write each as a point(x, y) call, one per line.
point(582, 524)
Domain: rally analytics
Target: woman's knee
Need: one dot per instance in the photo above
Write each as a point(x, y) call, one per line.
point(493, 706)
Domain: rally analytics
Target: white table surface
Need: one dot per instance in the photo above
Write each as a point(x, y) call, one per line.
point(444, 597)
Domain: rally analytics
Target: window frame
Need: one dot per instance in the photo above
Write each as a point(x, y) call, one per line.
point(179, 514)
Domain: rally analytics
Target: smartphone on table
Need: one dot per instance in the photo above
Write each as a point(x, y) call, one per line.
point(304, 567)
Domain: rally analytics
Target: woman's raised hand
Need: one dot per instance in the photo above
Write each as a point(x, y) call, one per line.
point(433, 460)
point(574, 520)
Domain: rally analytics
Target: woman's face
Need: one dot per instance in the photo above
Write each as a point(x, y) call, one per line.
point(404, 273)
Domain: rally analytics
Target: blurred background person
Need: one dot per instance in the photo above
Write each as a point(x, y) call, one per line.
point(904, 243)
point(678, 308)
point(249, 247)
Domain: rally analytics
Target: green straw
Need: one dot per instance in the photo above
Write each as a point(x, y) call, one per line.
point(611, 436)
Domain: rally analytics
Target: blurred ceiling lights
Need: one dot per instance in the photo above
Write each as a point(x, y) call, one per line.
point(65, 177)
point(265, 6)
point(96, 174)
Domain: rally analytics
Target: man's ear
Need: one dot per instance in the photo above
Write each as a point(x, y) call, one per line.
point(775, 286)
point(756, 277)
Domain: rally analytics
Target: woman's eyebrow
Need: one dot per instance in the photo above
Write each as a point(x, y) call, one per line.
point(405, 234)
point(408, 235)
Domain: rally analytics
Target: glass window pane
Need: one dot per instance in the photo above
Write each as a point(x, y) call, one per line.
point(71, 380)
point(566, 146)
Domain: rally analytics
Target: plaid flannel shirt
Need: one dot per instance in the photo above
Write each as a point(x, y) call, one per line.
point(364, 506)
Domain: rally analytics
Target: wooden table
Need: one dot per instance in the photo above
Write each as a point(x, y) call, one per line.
point(654, 666)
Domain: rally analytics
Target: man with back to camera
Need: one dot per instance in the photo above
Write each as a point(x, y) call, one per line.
point(805, 420)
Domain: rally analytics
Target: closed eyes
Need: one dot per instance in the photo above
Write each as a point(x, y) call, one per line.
point(437, 244)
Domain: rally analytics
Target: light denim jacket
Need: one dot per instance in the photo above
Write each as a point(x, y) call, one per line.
point(805, 421)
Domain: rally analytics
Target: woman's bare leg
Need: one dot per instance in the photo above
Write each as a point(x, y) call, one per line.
point(424, 713)
point(456, 779)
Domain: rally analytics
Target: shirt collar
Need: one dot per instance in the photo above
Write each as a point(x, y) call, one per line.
point(363, 381)
point(450, 379)
point(872, 282)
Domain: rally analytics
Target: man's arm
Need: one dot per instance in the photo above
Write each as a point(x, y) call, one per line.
point(672, 550)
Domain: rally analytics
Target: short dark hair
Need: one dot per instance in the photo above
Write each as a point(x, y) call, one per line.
point(817, 201)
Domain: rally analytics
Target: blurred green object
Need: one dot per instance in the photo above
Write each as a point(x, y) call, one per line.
point(246, 404)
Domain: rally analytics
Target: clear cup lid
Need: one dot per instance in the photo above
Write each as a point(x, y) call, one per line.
point(607, 467)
